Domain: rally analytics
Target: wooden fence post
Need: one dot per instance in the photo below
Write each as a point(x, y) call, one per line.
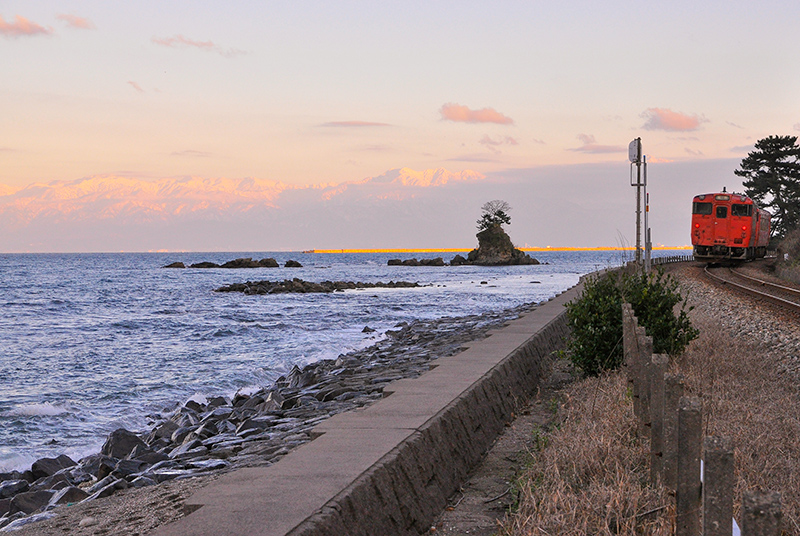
point(718, 485)
point(688, 499)
point(657, 369)
point(673, 391)
point(761, 513)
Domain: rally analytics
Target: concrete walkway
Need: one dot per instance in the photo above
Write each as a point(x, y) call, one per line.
point(390, 467)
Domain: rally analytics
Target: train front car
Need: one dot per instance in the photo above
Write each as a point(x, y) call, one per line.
point(728, 227)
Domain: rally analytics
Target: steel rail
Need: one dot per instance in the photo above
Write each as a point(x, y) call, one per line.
point(767, 284)
point(792, 305)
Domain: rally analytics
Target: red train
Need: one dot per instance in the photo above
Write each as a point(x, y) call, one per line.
point(728, 227)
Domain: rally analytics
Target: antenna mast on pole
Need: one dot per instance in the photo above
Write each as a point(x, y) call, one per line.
point(635, 156)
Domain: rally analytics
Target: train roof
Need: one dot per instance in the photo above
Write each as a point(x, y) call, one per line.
point(725, 196)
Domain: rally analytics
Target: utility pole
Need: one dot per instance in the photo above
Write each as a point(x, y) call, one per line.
point(635, 156)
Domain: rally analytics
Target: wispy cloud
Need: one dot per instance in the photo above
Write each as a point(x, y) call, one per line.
point(734, 125)
point(472, 158)
point(462, 114)
point(664, 119)
point(135, 86)
point(354, 124)
point(73, 21)
point(493, 144)
point(591, 146)
point(180, 41)
point(739, 149)
point(693, 152)
point(22, 27)
point(191, 153)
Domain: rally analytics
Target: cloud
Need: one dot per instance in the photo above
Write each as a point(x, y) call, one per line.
point(734, 125)
point(472, 158)
point(590, 146)
point(180, 41)
point(663, 119)
point(796, 126)
point(462, 114)
point(22, 27)
point(73, 21)
point(493, 144)
point(191, 153)
point(354, 124)
point(135, 86)
point(743, 148)
point(693, 152)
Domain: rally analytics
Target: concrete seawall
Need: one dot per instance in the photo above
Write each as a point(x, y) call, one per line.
point(389, 468)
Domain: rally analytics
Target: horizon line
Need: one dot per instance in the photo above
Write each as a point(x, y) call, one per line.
point(460, 250)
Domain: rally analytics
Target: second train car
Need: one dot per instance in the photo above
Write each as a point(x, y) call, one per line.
point(728, 227)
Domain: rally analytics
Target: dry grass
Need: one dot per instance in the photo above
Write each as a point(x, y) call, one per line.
point(592, 475)
point(747, 400)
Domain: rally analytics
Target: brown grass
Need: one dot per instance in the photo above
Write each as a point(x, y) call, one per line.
point(592, 476)
point(747, 400)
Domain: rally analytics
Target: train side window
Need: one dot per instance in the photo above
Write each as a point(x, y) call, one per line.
point(701, 208)
point(722, 211)
point(741, 210)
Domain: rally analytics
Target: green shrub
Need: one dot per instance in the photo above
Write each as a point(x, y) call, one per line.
point(653, 298)
point(595, 318)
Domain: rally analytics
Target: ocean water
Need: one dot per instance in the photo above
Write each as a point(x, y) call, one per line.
point(93, 342)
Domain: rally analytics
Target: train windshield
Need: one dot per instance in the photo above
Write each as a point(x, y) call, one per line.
point(722, 211)
point(701, 208)
point(741, 210)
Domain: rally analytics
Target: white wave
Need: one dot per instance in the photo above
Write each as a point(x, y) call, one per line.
point(41, 409)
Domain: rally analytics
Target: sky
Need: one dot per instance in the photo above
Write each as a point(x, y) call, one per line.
point(535, 100)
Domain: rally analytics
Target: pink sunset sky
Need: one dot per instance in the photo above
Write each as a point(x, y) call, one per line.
point(296, 125)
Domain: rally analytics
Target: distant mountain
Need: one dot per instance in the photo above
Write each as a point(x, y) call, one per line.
point(7, 190)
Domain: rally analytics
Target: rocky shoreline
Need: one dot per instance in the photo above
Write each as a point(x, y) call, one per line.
point(252, 428)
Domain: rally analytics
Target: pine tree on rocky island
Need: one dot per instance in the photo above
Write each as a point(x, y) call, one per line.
point(494, 245)
point(494, 213)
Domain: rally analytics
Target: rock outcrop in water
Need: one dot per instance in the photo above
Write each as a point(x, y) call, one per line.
point(252, 428)
point(243, 262)
point(495, 249)
point(303, 287)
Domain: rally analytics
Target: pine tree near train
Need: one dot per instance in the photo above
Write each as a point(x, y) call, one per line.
point(772, 171)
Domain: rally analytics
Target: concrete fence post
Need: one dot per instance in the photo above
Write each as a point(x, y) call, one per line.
point(688, 499)
point(658, 367)
point(718, 485)
point(673, 391)
point(645, 360)
point(627, 337)
point(636, 365)
point(761, 513)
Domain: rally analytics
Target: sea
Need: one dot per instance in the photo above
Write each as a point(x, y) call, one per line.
point(93, 342)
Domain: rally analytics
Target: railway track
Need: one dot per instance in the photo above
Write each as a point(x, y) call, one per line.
point(787, 298)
